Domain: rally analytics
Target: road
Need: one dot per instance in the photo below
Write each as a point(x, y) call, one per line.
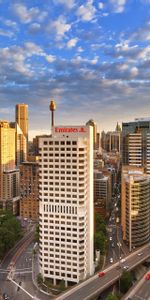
point(19, 266)
point(95, 285)
point(141, 291)
point(116, 246)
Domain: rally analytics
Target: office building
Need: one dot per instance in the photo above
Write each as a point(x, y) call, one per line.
point(66, 204)
point(95, 136)
point(110, 141)
point(21, 133)
point(135, 208)
point(29, 180)
point(136, 143)
point(102, 190)
point(9, 175)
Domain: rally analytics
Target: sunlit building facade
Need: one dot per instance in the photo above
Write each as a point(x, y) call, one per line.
point(135, 207)
point(66, 204)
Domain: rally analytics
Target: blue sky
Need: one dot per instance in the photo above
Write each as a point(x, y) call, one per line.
point(92, 57)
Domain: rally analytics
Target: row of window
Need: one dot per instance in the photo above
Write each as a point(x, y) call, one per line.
point(60, 142)
point(60, 209)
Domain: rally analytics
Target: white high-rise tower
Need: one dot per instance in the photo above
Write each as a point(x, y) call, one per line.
point(66, 204)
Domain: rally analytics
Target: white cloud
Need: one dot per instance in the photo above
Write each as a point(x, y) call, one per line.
point(33, 49)
point(80, 49)
point(28, 15)
point(68, 3)
point(101, 5)
point(72, 43)
point(6, 33)
point(145, 53)
point(50, 58)
point(87, 11)
point(134, 71)
point(118, 5)
point(60, 26)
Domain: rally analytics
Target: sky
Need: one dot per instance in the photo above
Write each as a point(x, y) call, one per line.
point(92, 57)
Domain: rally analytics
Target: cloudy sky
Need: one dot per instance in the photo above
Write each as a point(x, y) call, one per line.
point(92, 57)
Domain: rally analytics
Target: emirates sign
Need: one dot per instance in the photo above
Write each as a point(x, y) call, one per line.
point(70, 129)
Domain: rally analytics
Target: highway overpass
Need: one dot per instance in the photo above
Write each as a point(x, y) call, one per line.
point(93, 286)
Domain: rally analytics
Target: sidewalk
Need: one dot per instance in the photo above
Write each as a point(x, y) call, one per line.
point(35, 272)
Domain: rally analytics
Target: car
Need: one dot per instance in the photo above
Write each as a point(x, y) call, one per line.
point(113, 245)
point(5, 296)
point(101, 274)
point(147, 277)
point(125, 267)
point(111, 260)
point(122, 260)
point(141, 253)
point(110, 238)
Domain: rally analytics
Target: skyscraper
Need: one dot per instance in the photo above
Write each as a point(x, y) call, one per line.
point(29, 180)
point(136, 143)
point(93, 124)
point(9, 176)
point(135, 208)
point(21, 133)
point(66, 204)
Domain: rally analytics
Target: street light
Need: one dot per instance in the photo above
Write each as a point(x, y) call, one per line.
point(119, 245)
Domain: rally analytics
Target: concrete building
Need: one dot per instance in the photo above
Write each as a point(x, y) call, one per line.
point(21, 133)
point(95, 136)
point(66, 204)
point(135, 208)
point(110, 141)
point(102, 191)
point(136, 143)
point(29, 180)
point(9, 175)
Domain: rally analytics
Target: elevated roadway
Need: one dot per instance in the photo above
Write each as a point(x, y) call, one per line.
point(95, 285)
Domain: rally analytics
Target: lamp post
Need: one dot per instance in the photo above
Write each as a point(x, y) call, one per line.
point(119, 245)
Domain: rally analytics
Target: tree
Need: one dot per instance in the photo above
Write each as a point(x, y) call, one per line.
point(100, 224)
point(10, 231)
point(62, 285)
point(39, 278)
point(36, 236)
point(125, 281)
point(112, 297)
point(100, 242)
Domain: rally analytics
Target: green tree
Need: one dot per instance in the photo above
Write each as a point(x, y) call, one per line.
point(125, 281)
point(100, 242)
point(62, 285)
point(10, 231)
point(36, 236)
point(39, 278)
point(112, 297)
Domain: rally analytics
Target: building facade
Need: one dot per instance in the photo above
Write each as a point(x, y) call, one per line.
point(29, 180)
point(9, 175)
point(66, 204)
point(136, 144)
point(135, 214)
point(21, 133)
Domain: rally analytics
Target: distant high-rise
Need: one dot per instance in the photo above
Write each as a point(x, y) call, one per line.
point(21, 133)
point(29, 200)
point(135, 206)
point(136, 143)
point(9, 176)
point(93, 124)
point(66, 204)
point(111, 140)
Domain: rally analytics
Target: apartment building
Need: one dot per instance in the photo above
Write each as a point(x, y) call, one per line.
point(29, 180)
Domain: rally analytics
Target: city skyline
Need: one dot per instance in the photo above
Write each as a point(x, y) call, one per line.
point(93, 59)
